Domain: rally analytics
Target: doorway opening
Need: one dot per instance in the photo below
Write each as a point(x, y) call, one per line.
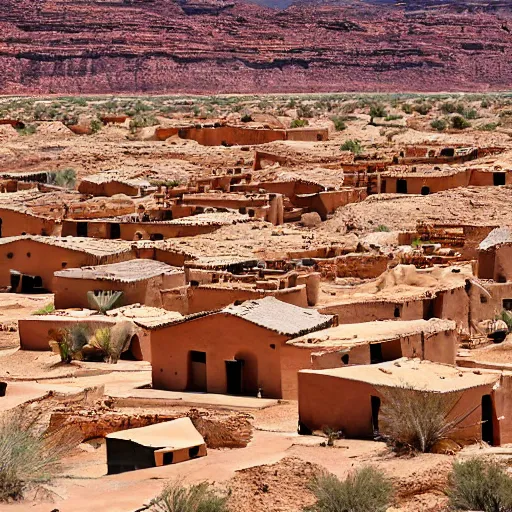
point(376, 353)
point(425, 191)
point(498, 178)
point(487, 420)
point(234, 376)
point(401, 186)
point(197, 371)
point(115, 231)
point(375, 401)
point(81, 229)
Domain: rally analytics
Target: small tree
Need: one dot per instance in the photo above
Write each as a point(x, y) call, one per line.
point(339, 123)
point(378, 110)
point(364, 490)
point(299, 123)
point(479, 484)
point(196, 498)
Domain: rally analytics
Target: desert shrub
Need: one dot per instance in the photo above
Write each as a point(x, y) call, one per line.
point(393, 117)
point(417, 419)
point(407, 108)
point(47, 309)
point(459, 123)
point(195, 498)
point(27, 456)
point(339, 123)
point(378, 110)
point(448, 107)
point(488, 127)
point(364, 490)
point(29, 129)
point(65, 178)
point(382, 228)
point(246, 118)
point(478, 484)
point(470, 113)
point(104, 300)
point(438, 124)
point(142, 121)
point(352, 145)
point(299, 123)
point(110, 342)
point(96, 125)
point(485, 103)
point(423, 108)
point(305, 111)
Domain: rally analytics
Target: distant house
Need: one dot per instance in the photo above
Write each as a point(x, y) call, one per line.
point(350, 398)
point(495, 256)
point(141, 281)
point(28, 263)
point(111, 183)
point(238, 350)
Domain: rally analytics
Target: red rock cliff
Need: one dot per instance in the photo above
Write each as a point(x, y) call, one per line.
point(209, 46)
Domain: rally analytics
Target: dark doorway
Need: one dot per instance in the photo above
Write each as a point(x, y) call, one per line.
point(115, 231)
point(197, 371)
point(487, 420)
point(401, 186)
point(81, 229)
point(375, 401)
point(383, 187)
point(15, 280)
point(0, 228)
point(376, 353)
point(31, 284)
point(156, 236)
point(425, 191)
point(448, 152)
point(234, 375)
point(498, 178)
point(507, 304)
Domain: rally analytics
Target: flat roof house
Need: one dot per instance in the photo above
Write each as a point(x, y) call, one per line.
point(238, 350)
point(495, 256)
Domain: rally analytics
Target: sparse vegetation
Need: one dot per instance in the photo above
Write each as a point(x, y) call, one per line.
point(352, 145)
point(200, 497)
point(506, 316)
point(65, 178)
point(339, 123)
point(48, 309)
point(416, 419)
point(479, 484)
point(382, 228)
point(96, 125)
point(299, 123)
point(28, 129)
point(246, 118)
point(378, 110)
point(364, 490)
point(393, 117)
point(438, 124)
point(459, 123)
point(488, 127)
point(27, 455)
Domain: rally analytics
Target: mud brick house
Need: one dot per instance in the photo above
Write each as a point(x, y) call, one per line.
point(28, 263)
point(350, 398)
point(161, 444)
point(140, 280)
point(495, 256)
point(238, 350)
point(111, 183)
point(377, 342)
point(16, 221)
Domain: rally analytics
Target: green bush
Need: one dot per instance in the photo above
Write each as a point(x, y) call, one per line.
point(29, 129)
point(195, 498)
point(488, 127)
point(65, 178)
point(364, 490)
point(407, 108)
point(299, 123)
point(27, 456)
point(459, 123)
point(423, 108)
point(393, 118)
point(479, 484)
point(339, 123)
point(96, 125)
point(142, 121)
point(246, 118)
point(352, 145)
point(506, 316)
point(438, 124)
point(378, 110)
point(48, 309)
point(382, 228)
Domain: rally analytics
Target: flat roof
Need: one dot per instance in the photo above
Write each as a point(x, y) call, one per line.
point(350, 335)
point(124, 271)
point(497, 236)
point(414, 374)
point(145, 316)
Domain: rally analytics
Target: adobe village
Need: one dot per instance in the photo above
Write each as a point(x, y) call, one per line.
point(242, 293)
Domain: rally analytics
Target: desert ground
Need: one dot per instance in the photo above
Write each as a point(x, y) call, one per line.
point(255, 456)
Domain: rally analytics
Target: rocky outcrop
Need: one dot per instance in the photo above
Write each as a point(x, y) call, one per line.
point(98, 46)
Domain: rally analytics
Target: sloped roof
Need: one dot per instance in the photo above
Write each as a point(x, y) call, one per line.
point(94, 246)
point(279, 316)
point(124, 271)
point(497, 236)
point(414, 374)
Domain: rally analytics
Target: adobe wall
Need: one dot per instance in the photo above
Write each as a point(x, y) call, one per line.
point(502, 399)
point(107, 188)
point(503, 264)
point(201, 298)
point(486, 264)
point(435, 183)
point(72, 293)
point(173, 258)
point(231, 135)
point(140, 347)
point(307, 134)
point(34, 258)
point(473, 235)
point(327, 202)
point(147, 229)
point(165, 133)
point(361, 265)
point(233, 338)
point(484, 308)
point(358, 312)
point(34, 331)
point(15, 223)
point(345, 405)
point(453, 305)
point(481, 178)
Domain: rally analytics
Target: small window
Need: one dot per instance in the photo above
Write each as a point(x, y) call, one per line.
point(396, 313)
point(425, 191)
point(28, 255)
point(10, 255)
point(507, 304)
point(272, 346)
point(64, 264)
point(483, 299)
point(197, 357)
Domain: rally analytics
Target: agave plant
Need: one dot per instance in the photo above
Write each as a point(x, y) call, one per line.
point(104, 300)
